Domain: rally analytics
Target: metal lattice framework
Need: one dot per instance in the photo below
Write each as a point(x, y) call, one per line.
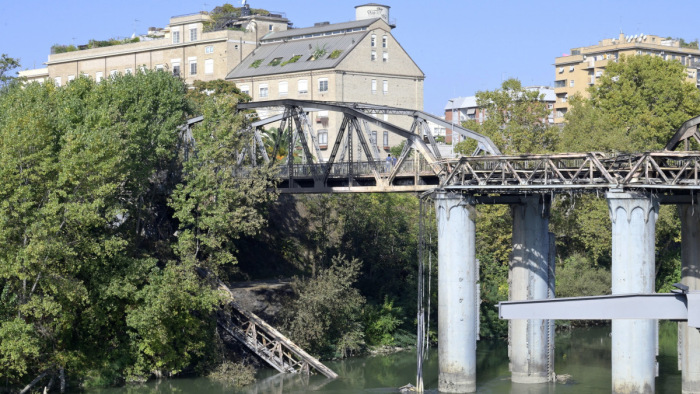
point(584, 171)
point(354, 163)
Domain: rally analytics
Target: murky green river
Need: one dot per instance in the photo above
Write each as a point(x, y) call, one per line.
point(583, 353)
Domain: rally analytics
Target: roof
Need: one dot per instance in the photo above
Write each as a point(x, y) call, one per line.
point(372, 4)
point(470, 102)
point(308, 32)
point(286, 50)
point(461, 102)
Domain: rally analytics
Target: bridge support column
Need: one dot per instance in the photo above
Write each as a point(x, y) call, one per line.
point(634, 341)
point(689, 337)
point(531, 277)
point(457, 299)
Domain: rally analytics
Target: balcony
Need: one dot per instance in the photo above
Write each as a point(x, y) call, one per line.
point(560, 84)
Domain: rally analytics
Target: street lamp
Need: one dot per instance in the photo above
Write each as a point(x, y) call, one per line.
point(452, 139)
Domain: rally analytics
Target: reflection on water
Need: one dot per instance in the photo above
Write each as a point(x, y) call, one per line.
point(583, 353)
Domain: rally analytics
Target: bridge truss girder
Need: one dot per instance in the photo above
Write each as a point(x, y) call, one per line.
point(317, 175)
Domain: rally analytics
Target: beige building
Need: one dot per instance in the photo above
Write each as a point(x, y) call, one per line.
point(575, 72)
point(357, 61)
point(184, 47)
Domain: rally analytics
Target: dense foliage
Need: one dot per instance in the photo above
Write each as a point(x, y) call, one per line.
point(101, 229)
point(7, 64)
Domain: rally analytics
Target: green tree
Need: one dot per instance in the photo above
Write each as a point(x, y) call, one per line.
point(219, 201)
point(89, 280)
point(7, 64)
point(324, 316)
point(516, 120)
point(638, 104)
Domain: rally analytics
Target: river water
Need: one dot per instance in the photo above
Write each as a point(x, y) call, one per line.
point(583, 353)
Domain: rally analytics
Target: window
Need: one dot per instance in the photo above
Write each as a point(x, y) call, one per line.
point(193, 34)
point(128, 71)
point(323, 138)
point(550, 106)
point(159, 67)
point(385, 86)
point(176, 68)
point(263, 90)
point(71, 78)
point(303, 86)
point(283, 88)
point(176, 37)
point(384, 41)
point(386, 117)
point(386, 140)
point(373, 138)
point(98, 76)
point(373, 57)
point(113, 73)
point(209, 49)
point(209, 66)
point(374, 86)
point(57, 81)
point(571, 68)
point(571, 83)
point(269, 28)
point(373, 41)
point(323, 84)
point(193, 67)
point(560, 83)
point(598, 74)
point(385, 57)
point(245, 89)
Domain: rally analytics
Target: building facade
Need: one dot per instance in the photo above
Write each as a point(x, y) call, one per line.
point(186, 47)
point(462, 109)
point(357, 61)
point(576, 71)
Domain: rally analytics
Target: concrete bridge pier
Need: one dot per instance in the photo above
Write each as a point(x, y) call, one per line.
point(457, 293)
point(634, 341)
point(689, 337)
point(531, 277)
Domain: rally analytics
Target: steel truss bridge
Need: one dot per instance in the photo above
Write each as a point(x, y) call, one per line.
point(355, 163)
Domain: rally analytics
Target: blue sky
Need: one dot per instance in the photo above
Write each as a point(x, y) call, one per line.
point(462, 46)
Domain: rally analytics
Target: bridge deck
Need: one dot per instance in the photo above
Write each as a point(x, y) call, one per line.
point(670, 172)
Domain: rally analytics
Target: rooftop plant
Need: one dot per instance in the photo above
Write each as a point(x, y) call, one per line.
point(223, 16)
point(318, 52)
point(256, 63)
point(335, 54)
point(293, 59)
point(275, 62)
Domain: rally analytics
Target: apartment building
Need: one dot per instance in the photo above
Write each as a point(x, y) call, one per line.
point(462, 109)
point(356, 61)
point(576, 71)
point(189, 46)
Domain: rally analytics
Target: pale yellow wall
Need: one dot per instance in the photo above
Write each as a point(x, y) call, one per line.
point(590, 62)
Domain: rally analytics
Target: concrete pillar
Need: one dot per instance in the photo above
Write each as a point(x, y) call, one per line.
point(457, 300)
point(634, 341)
point(531, 277)
point(689, 337)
